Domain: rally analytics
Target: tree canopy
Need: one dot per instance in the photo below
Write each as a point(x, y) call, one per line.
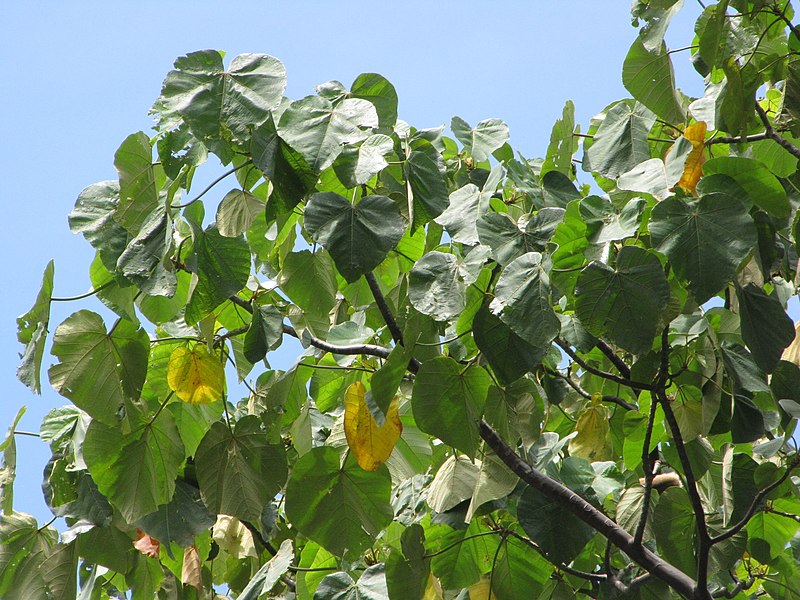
point(520, 378)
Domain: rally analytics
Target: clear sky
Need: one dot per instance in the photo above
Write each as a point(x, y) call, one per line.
point(78, 77)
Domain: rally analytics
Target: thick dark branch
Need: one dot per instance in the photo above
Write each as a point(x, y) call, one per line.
point(242, 303)
point(737, 139)
point(375, 288)
point(755, 504)
point(704, 540)
point(741, 585)
point(623, 368)
point(650, 562)
point(774, 135)
point(636, 385)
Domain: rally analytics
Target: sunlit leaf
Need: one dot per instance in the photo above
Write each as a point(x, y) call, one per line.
point(371, 444)
point(593, 441)
point(196, 374)
point(696, 134)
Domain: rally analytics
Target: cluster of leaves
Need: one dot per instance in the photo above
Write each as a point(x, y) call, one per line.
point(511, 385)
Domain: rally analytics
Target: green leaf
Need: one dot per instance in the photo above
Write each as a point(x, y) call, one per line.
point(605, 224)
point(93, 216)
point(8, 467)
point(212, 100)
point(24, 549)
point(742, 369)
point(237, 212)
point(145, 261)
point(468, 556)
point(357, 165)
point(181, 520)
point(762, 187)
point(518, 572)
point(674, 527)
point(448, 401)
point(309, 280)
point(625, 302)
point(268, 575)
point(435, 288)
point(545, 521)
point(768, 534)
point(766, 328)
point(508, 241)
point(558, 189)
point(563, 143)
point(136, 472)
point(381, 93)
point(32, 331)
point(358, 237)
point(454, 482)
point(407, 573)
point(428, 188)
point(223, 266)
point(340, 586)
point(705, 240)
point(386, 380)
point(509, 355)
point(238, 470)
point(649, 77)
point(318, 129)
point(265, 333)
point(620, 142)
point(522, 300)
point(467, 204)
point(99, 371)
point(140, 182)
point(495, 481)
point(488, 136)
point(287, 170)
point(320, 486)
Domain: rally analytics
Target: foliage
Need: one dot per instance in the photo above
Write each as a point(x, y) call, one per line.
point(514, 383)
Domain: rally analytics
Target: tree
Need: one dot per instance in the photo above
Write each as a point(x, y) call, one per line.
point(512, 384)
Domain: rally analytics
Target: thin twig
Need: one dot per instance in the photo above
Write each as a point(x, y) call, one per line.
point(582, 392)
point(86, 295)
point(211, 185)
point(637, 385)
point(774, 135)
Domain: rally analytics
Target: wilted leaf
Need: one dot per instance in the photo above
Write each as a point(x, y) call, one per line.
point(371, 444)
point(593, 441)
point(146, 545)
point(192, 569)
point(696, 134)
point(196, 375)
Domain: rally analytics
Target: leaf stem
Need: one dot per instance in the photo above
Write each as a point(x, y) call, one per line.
point(648, 474)
point(636, 385)
point(28, 433)
point(458, 542)
point(212, 184)
point(86, 295)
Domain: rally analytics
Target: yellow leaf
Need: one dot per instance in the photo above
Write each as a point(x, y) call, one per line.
point(480, 590)
point(192, 571)
point(370, 444)
point(593, 441)
point(693, 169)
point(792, 352)
point(196, 375)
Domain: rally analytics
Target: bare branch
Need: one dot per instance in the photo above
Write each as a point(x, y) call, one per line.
point(650, 562)
point(648, 474)
point(375, 288)
point(575, 386)
point(774, 135)
point(623, 368)
point(636, 385)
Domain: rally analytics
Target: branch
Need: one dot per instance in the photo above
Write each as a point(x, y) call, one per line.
point(648, 473)
point(737, 139)
point(574, 385)
point(754, 505)
point(623, 368)
point(375, 288)
point(774, 135)
point(212, 184)
point(636, 385)
point(704, 540)
point(649, 561)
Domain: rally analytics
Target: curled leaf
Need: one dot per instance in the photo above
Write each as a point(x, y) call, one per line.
point(192, 570)
point(693, 169)
point(147, 545)
point(369, 443)
point(196, 375)
point(593, 441)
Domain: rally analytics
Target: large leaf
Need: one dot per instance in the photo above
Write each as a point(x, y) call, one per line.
point(509, 355)
point(340, 586)
point(265, 333)
point(93, 216)
point(136, 472)
point(518, 572)
point(318, 129)
point(211, 99)
point(469, 554)
point(196, 374)
point(145, 259)
point(287, 170)
point(448, 401)
point(623, 302)
point(340, 506)
point(546, 521)
point(407, 573)
point(24, 549)
point(381, 93)
point(309, 280)
point(32, 331)
point(522, 300)
point(674, 527)
point(485, 138)
point(705, 240)
point(223, 266)
point(238, 469)
point(370, 443)
point(237, 212)
point(762, 187)
point(99, 370)
point(766, 328)
point(435, 287)
point(183, 518)
point(454, 482)
point(649, 77)
point(508, 241)
point(428, 188)
point(357, 165)
point(268, 575)
point(140, 181)
point(620, 143)
point(358, 237)
point(460, 218)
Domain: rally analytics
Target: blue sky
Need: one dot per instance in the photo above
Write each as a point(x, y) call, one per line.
point(78, 77)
